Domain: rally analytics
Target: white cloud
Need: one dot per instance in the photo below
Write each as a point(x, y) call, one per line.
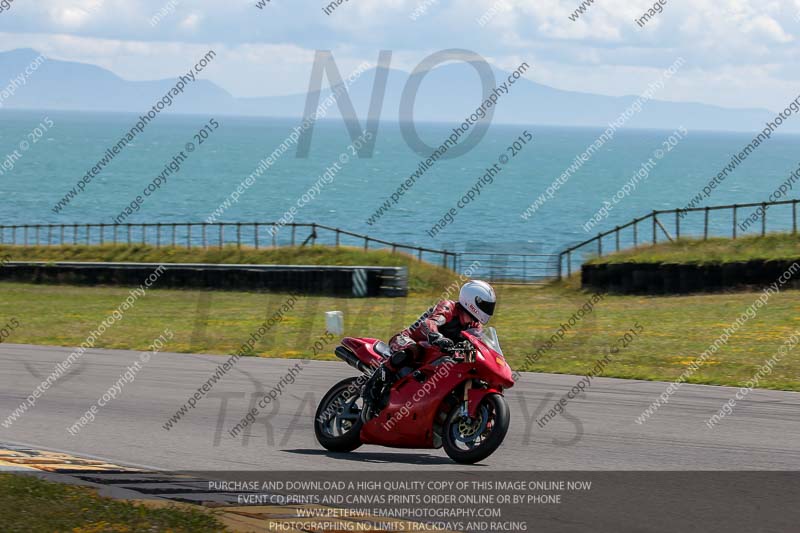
point(739, 52)
point(190, 22)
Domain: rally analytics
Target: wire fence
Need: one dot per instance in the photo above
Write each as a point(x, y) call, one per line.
point(255, 235)
point(739, 220)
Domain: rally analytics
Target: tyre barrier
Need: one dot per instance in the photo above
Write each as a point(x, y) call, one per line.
point(348, 281)
point(663, 278)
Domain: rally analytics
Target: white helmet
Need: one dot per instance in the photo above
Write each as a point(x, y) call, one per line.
point(478, 298)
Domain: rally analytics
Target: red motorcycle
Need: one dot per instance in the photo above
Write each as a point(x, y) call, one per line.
point(454, 399)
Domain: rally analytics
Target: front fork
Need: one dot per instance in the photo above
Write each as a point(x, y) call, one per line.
point(474, 396)
point(465, 411)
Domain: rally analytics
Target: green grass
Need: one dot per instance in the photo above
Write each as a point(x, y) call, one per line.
point(31, 505)
point(676, 329)
point(423, 276)
point(772, 247)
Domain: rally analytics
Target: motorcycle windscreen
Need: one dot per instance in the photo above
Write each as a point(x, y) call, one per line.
point(489, 337)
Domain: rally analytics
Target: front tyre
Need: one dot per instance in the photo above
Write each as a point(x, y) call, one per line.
point(337, 422)
point(469, 440)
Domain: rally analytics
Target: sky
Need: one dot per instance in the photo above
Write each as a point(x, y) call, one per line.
point(739, 53)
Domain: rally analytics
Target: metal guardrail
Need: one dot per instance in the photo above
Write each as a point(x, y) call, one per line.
point(657, 227)
point(529, 269)
point(208, 235)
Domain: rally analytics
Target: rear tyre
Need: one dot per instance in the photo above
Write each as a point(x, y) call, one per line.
point(467, 440)
point(337, 422)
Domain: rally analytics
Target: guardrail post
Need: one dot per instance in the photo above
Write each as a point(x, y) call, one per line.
point(221, 235)
point(61, 231)
point(37, 234)
point(419, 254)
point(314, 234)
point(635, 233)
point(560, 261)
point(705, 224)
point(189, 236)
point(102, 233)
point(14, 235)
point(74, 234)
point(569, 263)
point(655, 233)
point(255, 229)
point(794, 217)
point(763, 219)
point(616, 234)
point(174, 229)
point(49, 234)
point(87, 234)
point(600, 244)
point(735, 208)
point(337, 237)
point(366, 243)
point(294, 229)
point(274, 231)
point(677, 224)
point(444, 259)
point(158, 235)
point(239, 235)
point(203, 230)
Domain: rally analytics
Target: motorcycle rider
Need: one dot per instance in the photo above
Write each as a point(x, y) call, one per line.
point(440, 326)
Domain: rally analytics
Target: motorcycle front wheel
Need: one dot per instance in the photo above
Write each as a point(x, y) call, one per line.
point(469, 440)
point(337, 422)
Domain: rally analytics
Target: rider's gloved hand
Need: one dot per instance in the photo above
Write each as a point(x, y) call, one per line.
point(440, 341)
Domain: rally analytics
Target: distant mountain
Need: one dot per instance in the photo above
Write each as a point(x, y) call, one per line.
point(447, 94)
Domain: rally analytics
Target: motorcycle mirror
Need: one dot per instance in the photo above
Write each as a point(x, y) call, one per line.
point(334, 322)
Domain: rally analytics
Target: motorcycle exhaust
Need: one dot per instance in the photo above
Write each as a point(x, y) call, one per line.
point(350, 358)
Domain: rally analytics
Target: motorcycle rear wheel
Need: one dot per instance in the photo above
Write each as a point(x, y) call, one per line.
point(337, 422)
point(468, 441)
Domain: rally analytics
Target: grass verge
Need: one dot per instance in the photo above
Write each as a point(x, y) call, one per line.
point(422, 276)
point(772, 247)
point(30, 504)
point(675, 329)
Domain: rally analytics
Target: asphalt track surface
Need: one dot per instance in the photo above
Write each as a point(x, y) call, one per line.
point(599, 432)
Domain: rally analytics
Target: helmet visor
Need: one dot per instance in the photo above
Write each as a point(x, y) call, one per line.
point(486, 307)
